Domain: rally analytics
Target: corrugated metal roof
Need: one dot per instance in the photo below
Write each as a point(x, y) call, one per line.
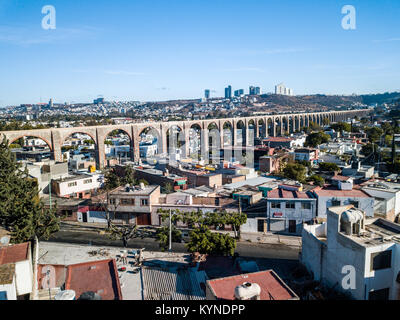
point(173, 284)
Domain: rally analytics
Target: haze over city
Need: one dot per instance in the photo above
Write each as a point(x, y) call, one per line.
point(152, 51)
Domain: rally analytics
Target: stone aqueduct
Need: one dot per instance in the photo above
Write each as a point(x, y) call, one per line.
point(269, 125)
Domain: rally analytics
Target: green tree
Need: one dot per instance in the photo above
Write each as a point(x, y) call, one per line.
point(204, 241)
point(168, 188)
point(112, 180)
point(328, 166)
point(341, 126)
point(295, 171)
point(318, 180)
point(22, 212)
point(315, 126)
point(163, 237)
point(374, 134)
point(326, 121)
point(89, 141)
point(371, 152)
point(219, 219)
point(316, 138)
point(129, 176)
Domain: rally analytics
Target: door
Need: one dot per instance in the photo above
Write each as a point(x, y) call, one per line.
point(262, 225)
point(292, 226)
point(143, 219)
point(84, 216)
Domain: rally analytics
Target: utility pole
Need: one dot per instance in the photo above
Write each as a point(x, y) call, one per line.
point(170, 230)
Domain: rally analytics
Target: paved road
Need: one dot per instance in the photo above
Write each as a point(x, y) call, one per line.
point(245, 249)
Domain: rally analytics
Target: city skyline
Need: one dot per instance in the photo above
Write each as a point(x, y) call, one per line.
point(182, 48)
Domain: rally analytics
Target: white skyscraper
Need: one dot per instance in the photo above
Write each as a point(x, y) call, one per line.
point(281, 89)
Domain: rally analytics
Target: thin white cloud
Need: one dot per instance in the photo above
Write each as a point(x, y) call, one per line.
point(387, 40)
point(110, 72)
point(22, 36)
point(243, 69)
point(274, 51)
point(123, 73)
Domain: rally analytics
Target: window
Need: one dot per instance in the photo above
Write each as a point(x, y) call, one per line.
point(72, 184)
point(112, 201)
point(276, 205)
point(127, 202)
point(382, 294)
point(381, 260)
point(290, 205)
point(144, 202)
point(306, 205)
point(87, 181)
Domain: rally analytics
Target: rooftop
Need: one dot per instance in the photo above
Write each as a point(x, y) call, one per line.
point(173, 284)
point(76, 177)
point(381, 185)
point(7, 272)
point(331, 191)
point(278, 139)
point(286, 194)
point(131, 283)
point(376, 230)
point(160, 173)
point(250, 182)
point(272, 287)
point(97, 276)
point(340, 178)
point(14, 253)
point(137, 191)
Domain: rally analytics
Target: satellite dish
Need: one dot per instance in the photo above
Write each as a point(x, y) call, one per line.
point(5, 240)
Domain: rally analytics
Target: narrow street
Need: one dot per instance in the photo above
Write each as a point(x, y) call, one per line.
point(244, 249)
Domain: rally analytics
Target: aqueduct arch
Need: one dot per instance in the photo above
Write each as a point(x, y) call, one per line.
point(273, 125)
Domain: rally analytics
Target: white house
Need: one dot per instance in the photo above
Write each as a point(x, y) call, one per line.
point(355, 255)
point(333, 196)
point(285, 210)
point(78, 186)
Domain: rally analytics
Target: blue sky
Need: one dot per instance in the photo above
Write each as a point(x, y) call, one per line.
point(158, 49)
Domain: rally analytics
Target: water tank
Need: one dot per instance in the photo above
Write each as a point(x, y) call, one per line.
point(65, 295)
point(248, 291)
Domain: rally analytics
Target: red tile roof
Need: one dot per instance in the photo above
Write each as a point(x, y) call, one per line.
point(334, 192)
point(286, 194)
point(272, 287)
point(340, 178)
point(278, 139)
point(100, 277)
point(14, 253)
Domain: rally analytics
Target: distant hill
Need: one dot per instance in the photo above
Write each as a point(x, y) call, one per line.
point(380, 98)
point(320, 100)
